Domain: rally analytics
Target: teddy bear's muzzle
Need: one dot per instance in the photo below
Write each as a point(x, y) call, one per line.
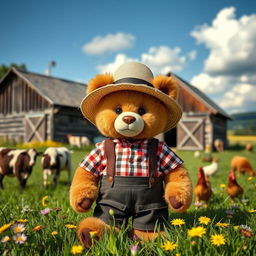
point(129, 124)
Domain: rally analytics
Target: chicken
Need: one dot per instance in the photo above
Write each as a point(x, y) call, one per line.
point(234, 189)
point(202, 189)
point(211, 169)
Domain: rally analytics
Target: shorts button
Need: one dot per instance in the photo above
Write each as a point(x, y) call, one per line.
point(110, 179)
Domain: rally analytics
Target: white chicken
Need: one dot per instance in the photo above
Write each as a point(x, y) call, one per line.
point(211, 169)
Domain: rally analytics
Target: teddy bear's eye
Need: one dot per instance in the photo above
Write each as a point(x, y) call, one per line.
point(118, 110)
point(141, 111)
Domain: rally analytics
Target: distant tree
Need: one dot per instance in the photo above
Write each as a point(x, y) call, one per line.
point(4, 68)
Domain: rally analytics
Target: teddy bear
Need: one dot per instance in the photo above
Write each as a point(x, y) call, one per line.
point(130, 174)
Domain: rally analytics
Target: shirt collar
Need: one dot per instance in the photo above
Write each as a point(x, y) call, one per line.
point(131, 142)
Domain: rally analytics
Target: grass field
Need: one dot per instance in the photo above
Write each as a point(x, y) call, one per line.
point(54, 232)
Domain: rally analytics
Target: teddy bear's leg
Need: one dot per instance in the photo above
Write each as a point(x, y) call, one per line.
point(147, 235)
point(91, 228)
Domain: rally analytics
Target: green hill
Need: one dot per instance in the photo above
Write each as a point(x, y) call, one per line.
point(243, 124)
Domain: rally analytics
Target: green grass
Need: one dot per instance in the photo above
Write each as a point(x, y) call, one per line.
point(15, 205)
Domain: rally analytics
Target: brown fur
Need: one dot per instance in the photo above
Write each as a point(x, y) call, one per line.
point(154, 118)
point(167, 85)
point(84, 185)
point(99, 81)
point(242, 165)
point(178, 184)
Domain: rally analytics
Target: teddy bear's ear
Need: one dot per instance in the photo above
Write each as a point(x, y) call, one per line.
point(99, 81)
point(167, 85)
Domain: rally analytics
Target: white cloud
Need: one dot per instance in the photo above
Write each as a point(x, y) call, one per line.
point(231, 41)
point(160, 60)
point(109, 43)
point(111, 67)
point(232, 93)
point(229, 70)
point(163, 59)
point(192, 55)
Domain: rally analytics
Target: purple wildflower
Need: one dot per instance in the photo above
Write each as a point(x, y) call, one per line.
point(134, 249)
point(45, 211)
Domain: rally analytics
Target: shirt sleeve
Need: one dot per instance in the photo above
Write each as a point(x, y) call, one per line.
point(168, 159)
point(93, 162)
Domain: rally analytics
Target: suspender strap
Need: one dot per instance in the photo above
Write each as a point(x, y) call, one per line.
point(109, 148)
point(152, 156)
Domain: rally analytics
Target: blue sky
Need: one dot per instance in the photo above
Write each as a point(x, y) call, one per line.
point(211, 44)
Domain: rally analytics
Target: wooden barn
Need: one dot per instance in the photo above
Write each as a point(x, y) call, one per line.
point(39, 107)
point(202, 121)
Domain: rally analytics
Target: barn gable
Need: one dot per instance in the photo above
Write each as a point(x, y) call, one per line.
point(202, 121)
point(193, 100)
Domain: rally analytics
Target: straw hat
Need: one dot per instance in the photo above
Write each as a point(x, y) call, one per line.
point(131, 76)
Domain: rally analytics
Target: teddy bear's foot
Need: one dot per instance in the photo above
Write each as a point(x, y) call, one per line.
point(91, 229)
point(147, 235)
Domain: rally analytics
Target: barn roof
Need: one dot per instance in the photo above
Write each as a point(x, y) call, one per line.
point(56, 90)
point(203, 98)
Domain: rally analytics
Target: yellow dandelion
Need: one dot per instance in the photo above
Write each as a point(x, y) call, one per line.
point(169, 246)
point(177, 254)
point(222, 224)
point(250, 178)
point(22, 220)
point(196, 231)
point(36, 228)
point(5, 227)
point(223, 185)
point(252, 211)
point(43, 201)
point(204, 220)
point(218, 240)
point(70, 226)
point(54, 233)
point(177, 222)
point(76, 249)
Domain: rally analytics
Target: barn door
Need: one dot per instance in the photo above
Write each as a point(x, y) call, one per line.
point(191, 134)
point(35, 127)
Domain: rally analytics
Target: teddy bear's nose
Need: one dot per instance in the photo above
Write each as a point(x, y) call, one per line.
point(129, 119)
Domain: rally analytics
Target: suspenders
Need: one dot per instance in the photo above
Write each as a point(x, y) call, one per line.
point(109, 148)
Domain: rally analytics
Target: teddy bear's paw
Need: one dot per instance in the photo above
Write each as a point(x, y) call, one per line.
point(86, 237)
point(86, 203)
point(175, 203)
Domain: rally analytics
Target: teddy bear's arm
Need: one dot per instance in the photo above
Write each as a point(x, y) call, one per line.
point(83, 190)
point(178, 189)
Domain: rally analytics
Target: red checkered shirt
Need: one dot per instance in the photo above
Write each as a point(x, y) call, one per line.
point(131, 159)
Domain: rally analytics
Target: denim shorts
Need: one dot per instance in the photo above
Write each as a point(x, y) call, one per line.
point(131, 197)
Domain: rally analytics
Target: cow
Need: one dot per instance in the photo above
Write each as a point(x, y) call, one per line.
point(17, 163)
point(78, 141)
point(55, 159)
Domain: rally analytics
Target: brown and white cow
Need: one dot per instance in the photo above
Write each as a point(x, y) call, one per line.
point(54, 160)
point(17, 162)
